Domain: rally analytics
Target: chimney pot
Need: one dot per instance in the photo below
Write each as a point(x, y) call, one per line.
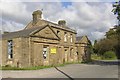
point(62, 22)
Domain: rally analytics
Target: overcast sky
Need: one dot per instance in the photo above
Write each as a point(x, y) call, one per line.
point(87, 18)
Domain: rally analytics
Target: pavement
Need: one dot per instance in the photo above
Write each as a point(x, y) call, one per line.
point(71, 71)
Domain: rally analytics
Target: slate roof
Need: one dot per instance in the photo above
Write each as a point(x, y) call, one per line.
point(78, 38)
point(58, 26)
point(21, 33)
point(52, 25)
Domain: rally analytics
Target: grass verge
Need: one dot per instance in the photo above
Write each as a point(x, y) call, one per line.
point(28, 68)
point(35, 67)
point(98, 57)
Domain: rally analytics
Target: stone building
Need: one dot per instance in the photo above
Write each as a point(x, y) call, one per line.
point(40, 43)
point(83, 45)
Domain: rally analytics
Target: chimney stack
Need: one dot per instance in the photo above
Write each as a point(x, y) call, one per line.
point(37, 15)
point(62, 22)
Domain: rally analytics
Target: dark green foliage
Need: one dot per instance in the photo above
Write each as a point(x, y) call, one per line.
point(110, 43)
point(90, 47)
point(111, 34)
point(112, 40)
point(116, 11)
point(109, 55)
point(117, 47)
point(94, 47)
point(105, 45)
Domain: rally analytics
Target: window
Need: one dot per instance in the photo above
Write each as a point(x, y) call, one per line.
point(65, 36)
point(58, 33)
point(45, 51)
point(71, 38)
point(10, 49)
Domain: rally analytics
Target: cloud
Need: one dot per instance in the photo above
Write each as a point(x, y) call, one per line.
point(89, 18)
point(92, 19)
point(15, 11)
point(11, 26)
point(58, 0)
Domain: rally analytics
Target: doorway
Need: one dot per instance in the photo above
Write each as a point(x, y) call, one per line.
point(71, 54)
point(66, 55)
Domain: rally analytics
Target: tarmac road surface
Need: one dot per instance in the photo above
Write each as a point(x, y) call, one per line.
point(71, 70)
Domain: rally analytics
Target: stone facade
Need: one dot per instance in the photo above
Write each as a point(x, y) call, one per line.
point(41, 43)
point(83, 45)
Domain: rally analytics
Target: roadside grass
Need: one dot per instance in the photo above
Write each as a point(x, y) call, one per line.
point(41, 67)
point(71, 63)
point(98, 57)
point(35, 67)
point(86, 62)
point(26, 68)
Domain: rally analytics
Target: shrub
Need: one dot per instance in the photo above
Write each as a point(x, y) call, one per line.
point(109, 55)
point(95, 57)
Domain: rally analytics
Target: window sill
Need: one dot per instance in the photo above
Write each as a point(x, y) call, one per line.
point(10, 59)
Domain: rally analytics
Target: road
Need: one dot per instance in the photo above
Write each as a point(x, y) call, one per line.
point(72, 70)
